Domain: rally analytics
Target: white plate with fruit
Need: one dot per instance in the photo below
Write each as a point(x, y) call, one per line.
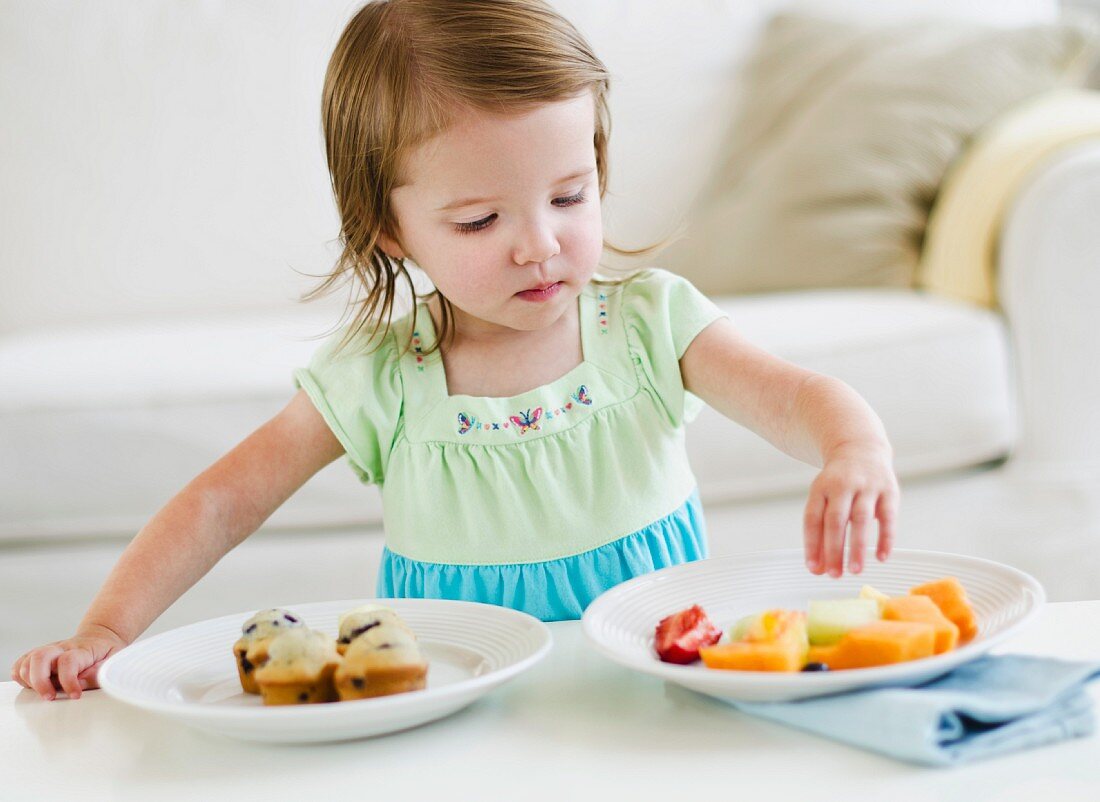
point(766, 611)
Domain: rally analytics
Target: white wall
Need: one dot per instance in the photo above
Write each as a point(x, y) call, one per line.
point(163, 157)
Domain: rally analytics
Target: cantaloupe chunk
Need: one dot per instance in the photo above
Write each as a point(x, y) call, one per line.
point(785, 654)
point(922, 608)
point(877, 644)
point(773, 641)
point(950, 596)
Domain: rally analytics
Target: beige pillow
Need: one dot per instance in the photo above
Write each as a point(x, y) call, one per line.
point(842, 138)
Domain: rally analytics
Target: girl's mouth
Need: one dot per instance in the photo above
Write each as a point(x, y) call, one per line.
point(543, 294)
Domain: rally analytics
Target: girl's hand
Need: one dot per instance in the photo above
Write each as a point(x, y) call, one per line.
point(67, 665)
point(856, 485)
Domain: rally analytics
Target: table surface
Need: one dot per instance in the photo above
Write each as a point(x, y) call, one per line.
point(576, 726)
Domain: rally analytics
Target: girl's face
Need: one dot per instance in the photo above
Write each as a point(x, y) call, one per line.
point(499, 205)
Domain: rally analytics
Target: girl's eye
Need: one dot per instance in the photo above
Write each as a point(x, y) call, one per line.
point(572, 200)
point(477, 225)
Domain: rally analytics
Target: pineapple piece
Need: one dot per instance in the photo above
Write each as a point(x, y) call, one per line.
point(868, 592)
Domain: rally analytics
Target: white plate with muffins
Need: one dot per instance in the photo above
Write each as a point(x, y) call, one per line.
point(327, 671)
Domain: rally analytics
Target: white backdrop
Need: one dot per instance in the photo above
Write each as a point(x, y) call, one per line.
point(163, 157)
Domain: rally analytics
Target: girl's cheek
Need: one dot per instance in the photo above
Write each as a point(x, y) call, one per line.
point(588, 239)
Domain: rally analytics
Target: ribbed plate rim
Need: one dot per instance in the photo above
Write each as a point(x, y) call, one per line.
point(746, 684)
point(540, 645)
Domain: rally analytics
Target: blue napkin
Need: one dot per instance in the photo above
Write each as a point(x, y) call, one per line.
point(991, 706)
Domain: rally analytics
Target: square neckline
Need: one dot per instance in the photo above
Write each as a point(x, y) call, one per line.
point(437, 367)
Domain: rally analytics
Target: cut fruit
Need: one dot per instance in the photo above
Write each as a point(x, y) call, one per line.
point(740, 629)
point(868, 592)
point(923, 609)
point(950, 596)
point(771, 625)
point(878, 644)
point(778, 655)
point(774, 640)
point(830, 620)
point(680, 635)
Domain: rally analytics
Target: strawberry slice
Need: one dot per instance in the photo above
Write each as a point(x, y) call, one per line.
point(680, 635)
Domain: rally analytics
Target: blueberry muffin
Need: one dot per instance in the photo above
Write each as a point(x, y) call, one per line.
point(299, 668)
point(383, 660)
point(251, 648)
point(355, 622)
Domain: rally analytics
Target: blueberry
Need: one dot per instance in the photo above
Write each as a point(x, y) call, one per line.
point(290, 618)
point(357, 682)
point(357, 632)
point(251, 629)
point(815, 667)
point(303, 697)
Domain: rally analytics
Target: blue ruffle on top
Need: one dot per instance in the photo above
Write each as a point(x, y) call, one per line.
point(555, 590)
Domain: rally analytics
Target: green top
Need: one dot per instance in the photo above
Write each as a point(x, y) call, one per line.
point(561, 469)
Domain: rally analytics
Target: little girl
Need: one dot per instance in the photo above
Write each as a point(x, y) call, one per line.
point(526, 419)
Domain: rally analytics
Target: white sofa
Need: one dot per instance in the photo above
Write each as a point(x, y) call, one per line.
point(165, 191)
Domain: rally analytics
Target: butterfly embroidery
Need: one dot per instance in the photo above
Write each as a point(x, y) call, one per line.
point(465, 423)
point(527, 420)
point(581, 396)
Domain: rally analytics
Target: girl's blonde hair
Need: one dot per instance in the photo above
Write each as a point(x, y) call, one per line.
point(399, 73)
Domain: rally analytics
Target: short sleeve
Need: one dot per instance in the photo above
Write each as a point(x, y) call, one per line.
point(358, 392)
point(663, 313)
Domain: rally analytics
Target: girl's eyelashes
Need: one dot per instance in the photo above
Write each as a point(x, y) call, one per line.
point(571, 200)
point(477, 225)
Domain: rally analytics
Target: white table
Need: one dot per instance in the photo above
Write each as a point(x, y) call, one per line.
point(575, 727)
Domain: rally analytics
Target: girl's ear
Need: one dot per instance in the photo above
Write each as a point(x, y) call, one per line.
point(391, 247)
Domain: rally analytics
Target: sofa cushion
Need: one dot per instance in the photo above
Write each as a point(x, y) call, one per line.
point(936, 371)
point(99, 427)
point(842, 137)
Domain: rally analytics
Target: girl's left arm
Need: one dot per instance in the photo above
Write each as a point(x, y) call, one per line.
point(814, 418)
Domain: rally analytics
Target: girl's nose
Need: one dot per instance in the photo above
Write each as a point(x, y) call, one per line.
point(537, 243)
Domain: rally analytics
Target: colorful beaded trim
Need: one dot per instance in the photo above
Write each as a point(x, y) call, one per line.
point(419, 351)
point(603, 313)
point(526, 419)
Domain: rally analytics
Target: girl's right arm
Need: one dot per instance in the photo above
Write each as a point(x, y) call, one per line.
point(214, 513)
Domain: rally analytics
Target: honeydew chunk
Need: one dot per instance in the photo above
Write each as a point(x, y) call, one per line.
point(743, 626)
point(830, 620)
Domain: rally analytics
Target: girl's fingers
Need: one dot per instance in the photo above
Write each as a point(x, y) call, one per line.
point(25, 672)
point(69, 666)
point(15, 671)
point(886, 512)
point(863, 513)
point(837, 510)
point(89, 677)
point(812, 522)
point(41, 669)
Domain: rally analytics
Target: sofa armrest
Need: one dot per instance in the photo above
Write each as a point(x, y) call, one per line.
point(959, 252)
point(1048, 282)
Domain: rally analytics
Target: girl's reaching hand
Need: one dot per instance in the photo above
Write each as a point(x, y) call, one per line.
point(67, 665)
point(857, 486)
